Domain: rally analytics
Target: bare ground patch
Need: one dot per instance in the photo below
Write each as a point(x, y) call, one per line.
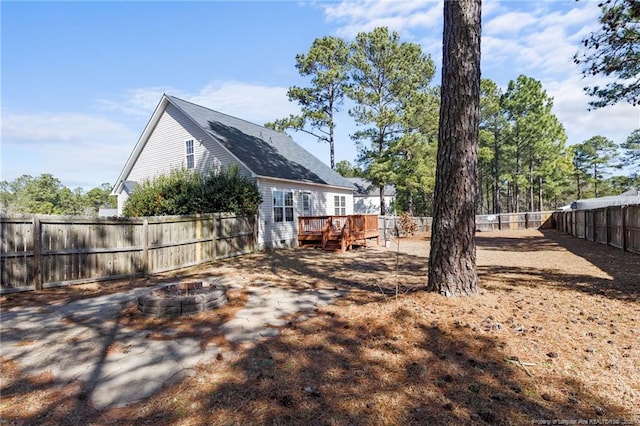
point(553, 334)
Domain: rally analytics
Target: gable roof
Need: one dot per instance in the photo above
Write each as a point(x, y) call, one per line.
point(265, 152)
point(364, 188)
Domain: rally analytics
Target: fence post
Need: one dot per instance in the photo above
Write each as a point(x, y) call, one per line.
point(214, 252)
point(145, 247)
point(623, 211)
point(526, 221)
point(593, 226)
point(255, 233)
point(586, 237)
point(384, 227)
point(37, 254)
point(606, 225)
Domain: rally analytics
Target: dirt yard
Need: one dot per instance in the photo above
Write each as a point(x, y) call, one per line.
point(553, 335)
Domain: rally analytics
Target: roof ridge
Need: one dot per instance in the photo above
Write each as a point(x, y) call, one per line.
point(228, 115)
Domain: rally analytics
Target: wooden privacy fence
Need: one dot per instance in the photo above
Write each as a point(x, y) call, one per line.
point(387, 225)
point(47, 251)
point(617, 226)
point(484, 223)
point(513, 221)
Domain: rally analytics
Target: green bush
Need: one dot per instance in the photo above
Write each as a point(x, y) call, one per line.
point(184, 192)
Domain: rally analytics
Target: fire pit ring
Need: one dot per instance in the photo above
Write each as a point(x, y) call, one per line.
point(183, 298)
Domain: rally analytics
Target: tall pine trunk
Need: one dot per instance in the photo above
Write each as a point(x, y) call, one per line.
point(496, 174)
point(531, 188)
point(332, 143)
point(452, 261)
point(540, 193)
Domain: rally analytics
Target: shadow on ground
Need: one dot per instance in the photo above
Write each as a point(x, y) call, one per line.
point(622, 268)
point(371, 359)
point(338, 373)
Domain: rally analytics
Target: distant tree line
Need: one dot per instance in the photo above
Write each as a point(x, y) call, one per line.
point(46, 194)
point(524, 162)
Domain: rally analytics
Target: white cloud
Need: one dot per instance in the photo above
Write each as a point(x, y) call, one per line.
point(509, 23)
point(137, 101)
point(86, 150)
point(253, 102)
point(585, 12)
point(52, 129)
point(497, 50)
point(401, 16)
point(86, 166)
point(77, 148)
point(571, 106)
point(490, 8)
point(538, 43)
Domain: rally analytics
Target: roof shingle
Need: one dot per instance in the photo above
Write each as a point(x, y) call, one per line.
point(265, 152)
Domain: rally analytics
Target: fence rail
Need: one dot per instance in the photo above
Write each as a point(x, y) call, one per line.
point(513, 221)
point(617, 226)
point(48, 251)
point(484, 223)
point(389, 226)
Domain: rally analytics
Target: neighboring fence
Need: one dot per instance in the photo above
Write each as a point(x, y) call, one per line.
point(47, 251)
point(506, 221)
point(387, 225)
point(484, 223)
point(617, 226)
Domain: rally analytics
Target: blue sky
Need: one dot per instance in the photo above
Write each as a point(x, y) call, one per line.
point(81, 79)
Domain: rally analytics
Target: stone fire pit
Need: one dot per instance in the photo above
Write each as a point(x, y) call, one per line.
point(183, 298)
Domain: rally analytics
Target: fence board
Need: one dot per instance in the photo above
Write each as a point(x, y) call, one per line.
point(632, 228)
point(17, 264)
point(614, 225)
point(617, 226)
point(387, 225)
point(513, 221)
point(234, 237)
point(484, 223)
point(70, 250)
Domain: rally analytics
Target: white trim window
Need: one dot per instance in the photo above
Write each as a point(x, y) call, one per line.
point(190, 158)
point(340, 204)
point(282, 206)
point(306, 204)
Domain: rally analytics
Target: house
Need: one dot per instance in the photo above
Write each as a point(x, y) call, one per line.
point(293, 183)
point(366, 197)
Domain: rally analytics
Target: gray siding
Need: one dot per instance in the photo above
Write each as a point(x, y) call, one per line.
point(165, 150)
point(285, 234)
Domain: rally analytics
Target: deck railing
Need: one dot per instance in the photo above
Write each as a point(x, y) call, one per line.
point(311, 224)
point(345, 229)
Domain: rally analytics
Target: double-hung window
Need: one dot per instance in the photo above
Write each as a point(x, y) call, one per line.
point(282, 206)
point(190, 159)
point(306, 204)
point(340, 204)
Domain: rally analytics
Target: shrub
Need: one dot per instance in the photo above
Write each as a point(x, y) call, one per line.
point(407, 225)
point(184, 192)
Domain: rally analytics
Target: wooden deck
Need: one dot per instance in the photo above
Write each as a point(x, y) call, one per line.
point(338, 232)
